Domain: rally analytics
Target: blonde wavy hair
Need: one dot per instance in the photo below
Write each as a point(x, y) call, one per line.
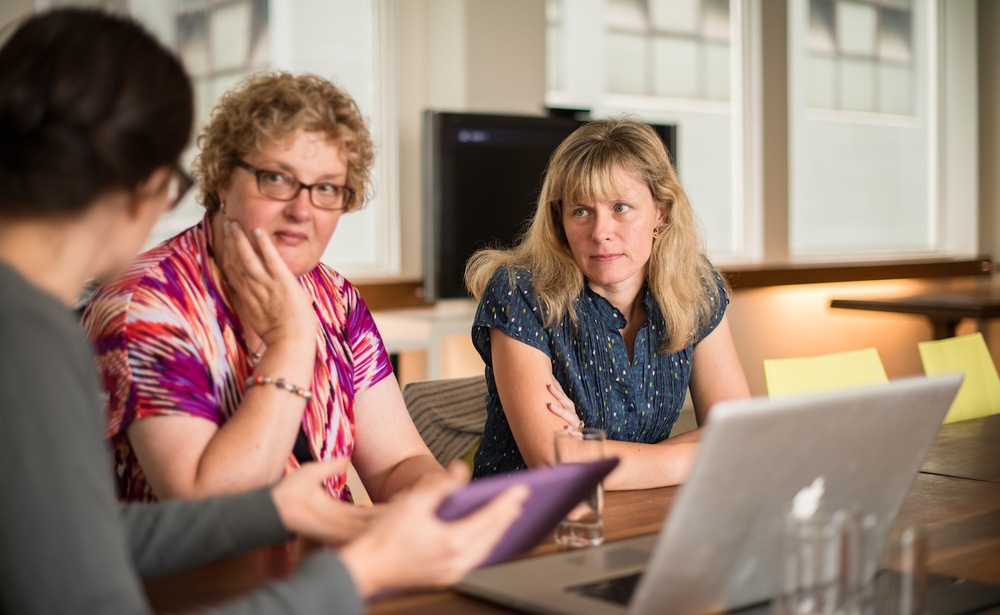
point(270, 106)
point(680, 276)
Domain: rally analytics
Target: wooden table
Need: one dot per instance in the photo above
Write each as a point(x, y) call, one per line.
point(961, 514)
point(967, 449)
point(944, 308)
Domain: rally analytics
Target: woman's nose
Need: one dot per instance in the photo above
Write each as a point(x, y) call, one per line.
point(602, 226)
point(300, 208)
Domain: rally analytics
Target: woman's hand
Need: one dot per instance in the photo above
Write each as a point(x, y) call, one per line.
point(563, 406)
point(307, 509)
point(411, 547)
point(267, 296)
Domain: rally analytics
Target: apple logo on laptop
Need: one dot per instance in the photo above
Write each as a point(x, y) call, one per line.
point(807, 501)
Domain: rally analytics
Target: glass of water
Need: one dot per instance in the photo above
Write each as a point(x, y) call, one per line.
point(583, 526)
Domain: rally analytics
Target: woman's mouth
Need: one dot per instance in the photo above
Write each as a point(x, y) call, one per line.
point(290, 238)
point(604, 258)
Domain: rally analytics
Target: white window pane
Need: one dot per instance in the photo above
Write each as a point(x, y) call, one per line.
point(260, 45)
point(626, 63)
point(676, 67)
point(192, 42)
point(861, 196)
point(221, 84)
point(675, 15)
point(230, 36)
point(717, 71)
point(858, 184)
point(260, 53)
point(822, 76)
point(820, 36)
point(553, 54)
point(857, 191)
point(895, 37)
point(204, 100)
point(553, 11)
point(857, 85)
point(856, 28)
point(703, 163)
point(715, 20)
point(895, 89)
point(627, 15)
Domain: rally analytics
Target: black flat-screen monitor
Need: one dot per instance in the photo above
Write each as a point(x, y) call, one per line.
point(482, 174)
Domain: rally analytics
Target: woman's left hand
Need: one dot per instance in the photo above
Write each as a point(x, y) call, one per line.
point(563, 406)
point(307, 509)
point(267, 296)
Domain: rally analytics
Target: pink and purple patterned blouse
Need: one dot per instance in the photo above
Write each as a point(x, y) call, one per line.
point(168, 342)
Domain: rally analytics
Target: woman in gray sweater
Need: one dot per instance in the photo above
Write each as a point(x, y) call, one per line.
point(94, 114)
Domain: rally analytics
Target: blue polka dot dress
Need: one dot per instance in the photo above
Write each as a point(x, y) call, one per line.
point(636, 401)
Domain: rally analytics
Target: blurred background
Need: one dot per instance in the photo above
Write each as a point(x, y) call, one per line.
point(811, 133)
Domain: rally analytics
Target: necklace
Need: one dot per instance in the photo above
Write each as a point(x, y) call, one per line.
point(255, 355)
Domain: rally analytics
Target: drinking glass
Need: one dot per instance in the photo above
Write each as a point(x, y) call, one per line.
point(838, 563)
point(583, 526)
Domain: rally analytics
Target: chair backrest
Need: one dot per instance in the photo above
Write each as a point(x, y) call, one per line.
point(449, 414)
point(980, 391)
point(838, 370)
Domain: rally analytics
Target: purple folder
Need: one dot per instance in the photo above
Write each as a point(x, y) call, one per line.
point(554, 492)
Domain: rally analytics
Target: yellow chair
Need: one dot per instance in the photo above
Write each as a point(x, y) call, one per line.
point(839, 370)
point(979, 394)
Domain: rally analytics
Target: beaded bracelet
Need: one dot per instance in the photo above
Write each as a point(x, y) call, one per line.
point(281, 383)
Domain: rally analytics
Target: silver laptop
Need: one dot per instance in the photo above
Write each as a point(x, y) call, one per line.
point(715, 550)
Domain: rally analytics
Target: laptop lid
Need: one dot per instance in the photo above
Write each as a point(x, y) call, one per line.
point(866, 444)
point(714, 552)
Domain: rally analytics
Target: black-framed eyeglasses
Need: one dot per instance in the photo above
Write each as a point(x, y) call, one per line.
point(177, 186)
point(284, 187)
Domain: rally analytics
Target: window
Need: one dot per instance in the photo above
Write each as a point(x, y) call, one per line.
point(666, 61)
point(668, 48)
point(222, 41)
point(860, 55)
point(861, 129)
point(881, 112)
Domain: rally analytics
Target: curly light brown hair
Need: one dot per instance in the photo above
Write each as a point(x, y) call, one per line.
point(270, 106)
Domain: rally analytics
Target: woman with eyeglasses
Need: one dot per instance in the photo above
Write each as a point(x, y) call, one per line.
point(230, 352)
point(94, 115)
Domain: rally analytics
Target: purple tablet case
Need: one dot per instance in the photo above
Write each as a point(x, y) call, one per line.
point(554, 492)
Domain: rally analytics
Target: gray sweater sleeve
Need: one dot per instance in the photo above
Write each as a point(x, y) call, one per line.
point(66, 545)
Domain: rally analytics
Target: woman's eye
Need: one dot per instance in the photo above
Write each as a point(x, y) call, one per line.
point(621, 208)
point(276, 179)
point(329, 189)
point(579, 212)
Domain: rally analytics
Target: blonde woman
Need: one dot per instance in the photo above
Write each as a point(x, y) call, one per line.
point(605, 314)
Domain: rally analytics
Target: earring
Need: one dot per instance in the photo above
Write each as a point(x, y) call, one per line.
point(222, 205)
point(656, 232)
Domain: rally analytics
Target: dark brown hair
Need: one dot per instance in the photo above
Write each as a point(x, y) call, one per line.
point(89, 102)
